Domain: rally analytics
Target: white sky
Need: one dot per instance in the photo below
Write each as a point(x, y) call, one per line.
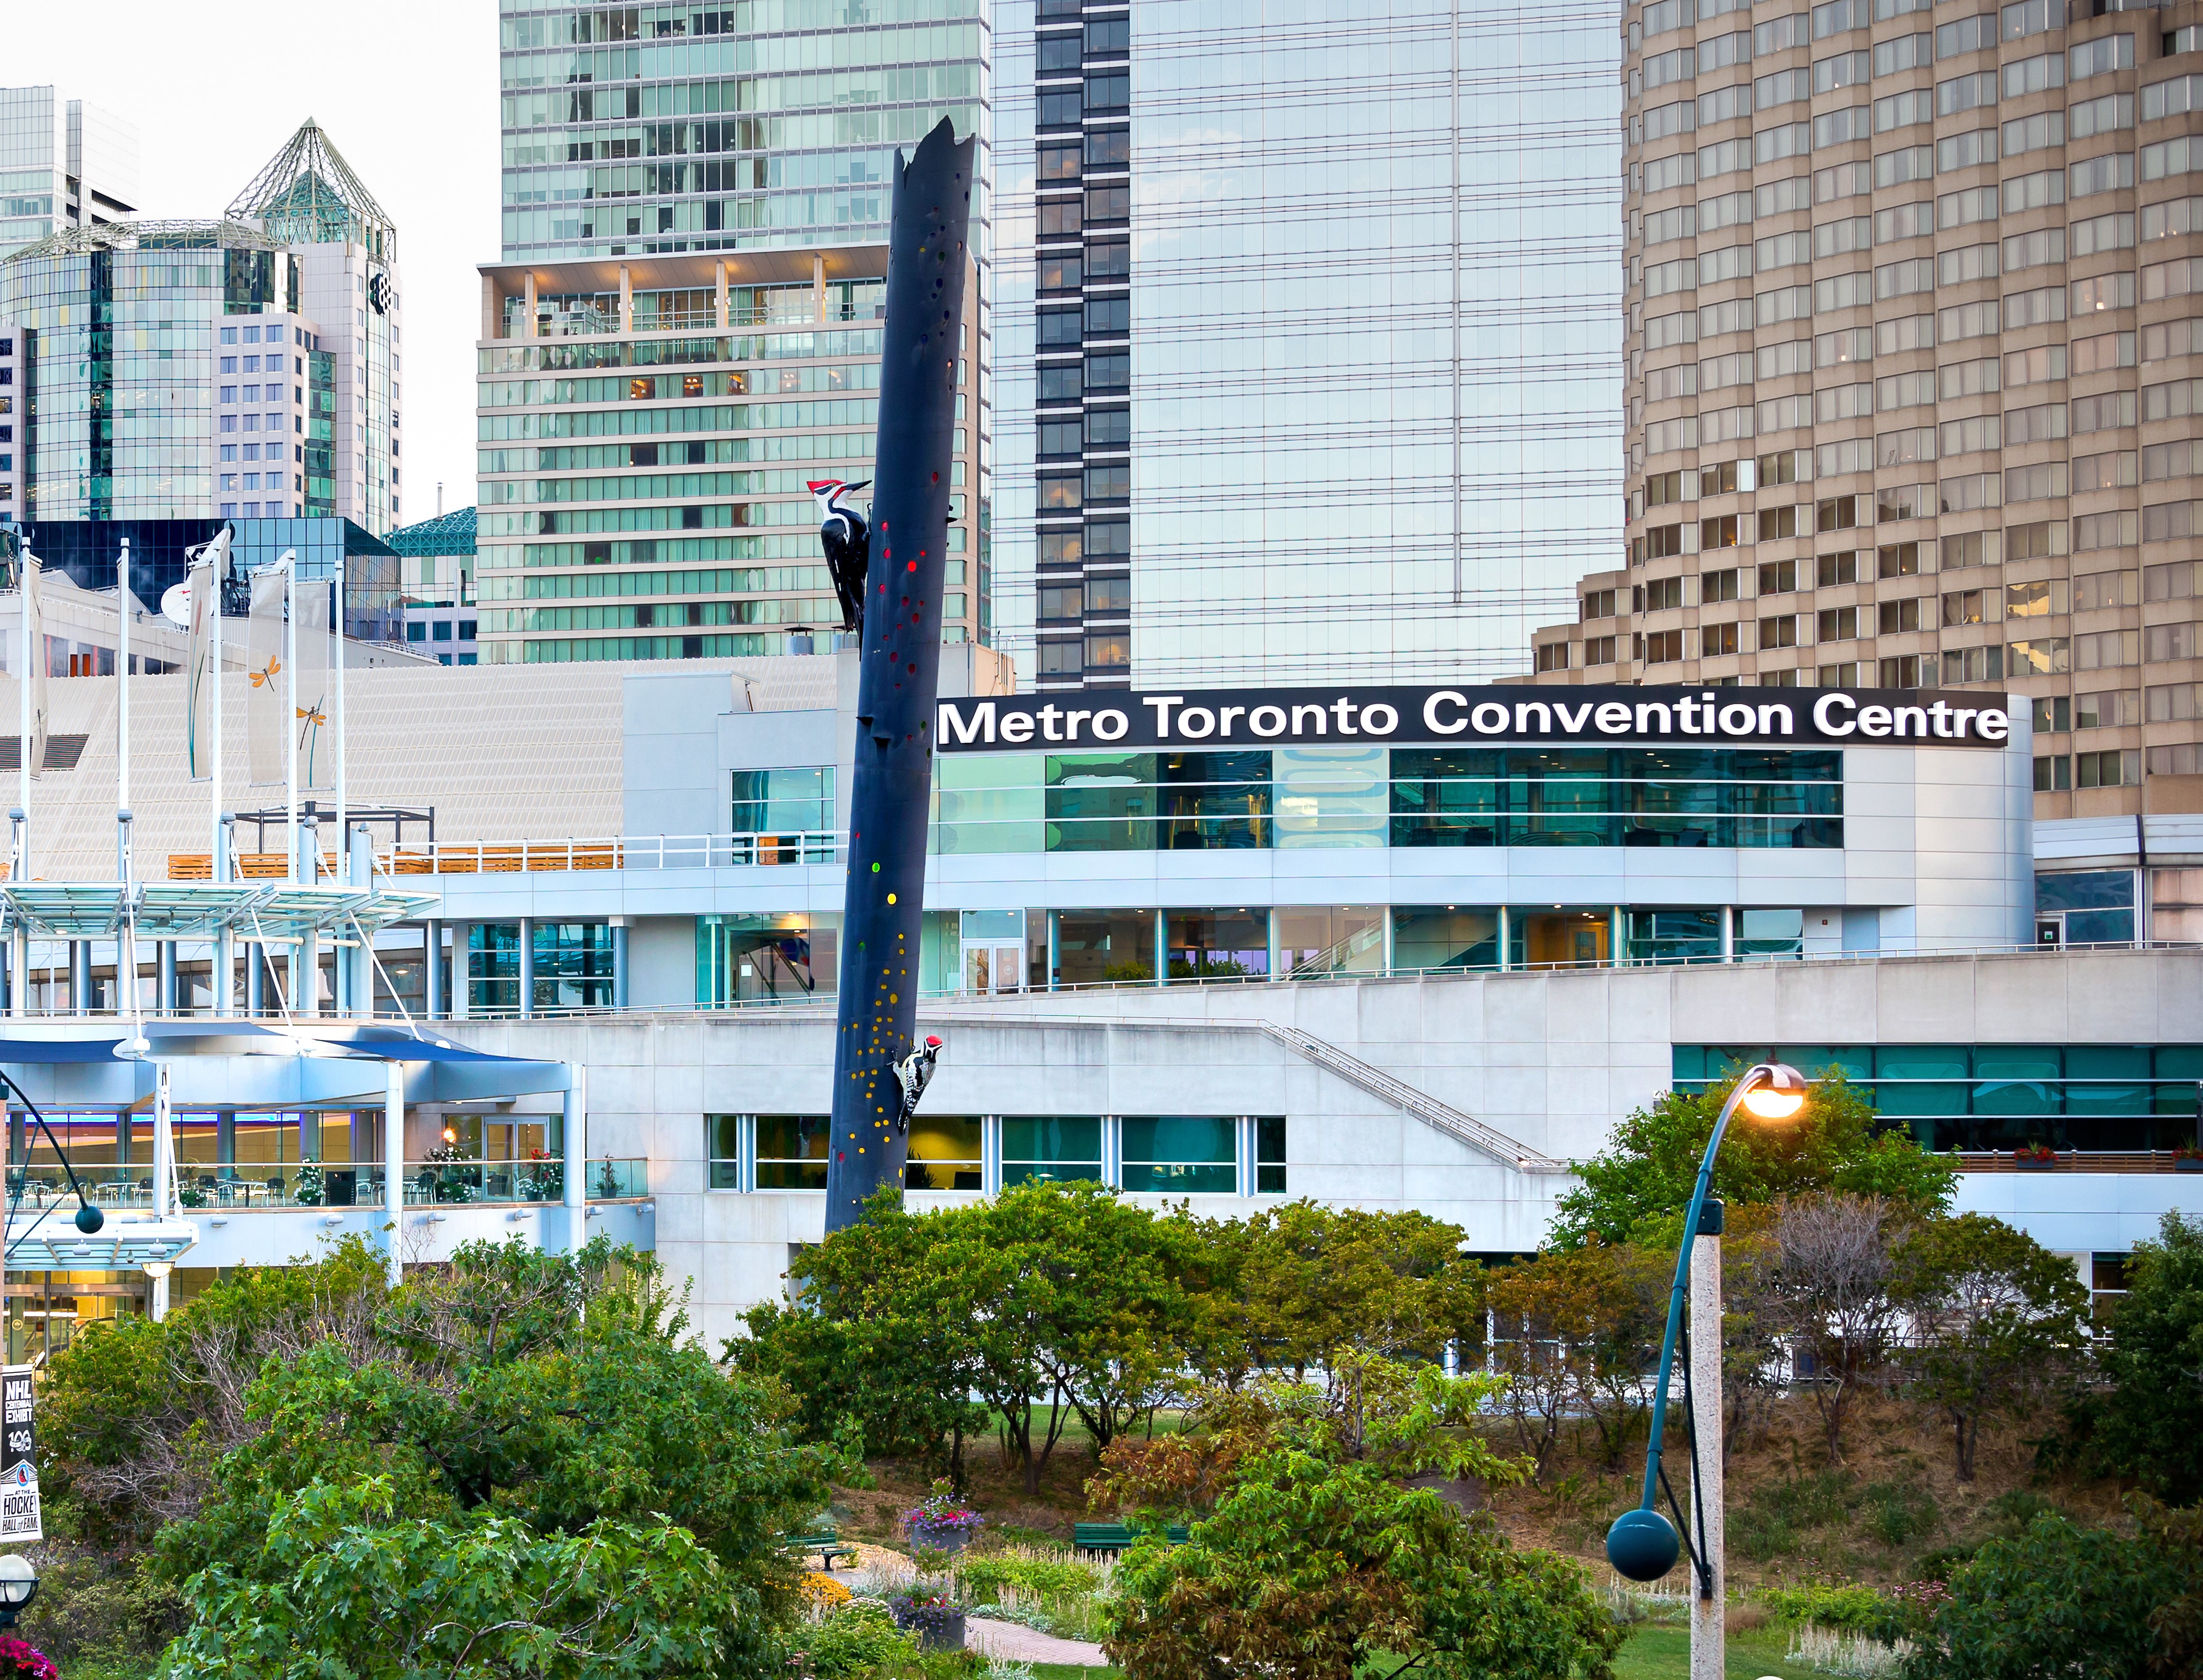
point(407, 92)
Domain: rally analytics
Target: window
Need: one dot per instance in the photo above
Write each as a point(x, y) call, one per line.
point(1778, 577)
point(1715, 639)
point(1109, 259)
point(1962, 606)
point(1110, 483)
point(1552, 656)
point(1059, 328)
point(1059, 603)
point(783, 803)
point(1664, 647)
point(1831, 569)
point(1270, 1155)
point(2112, 769)
point(1175, 1154)
point(791, 1150)
point(1661, 593)
point(1106, 428)
point(1838, 624)
point(723, 1141)
point(1108, 148)
point(1109, 594)
point(2054, 775)
point(1109, 316)
point(1059, 162)
point(1897, 560)
point(944, 1154)
point(1051, 1150)
point(1780, 632)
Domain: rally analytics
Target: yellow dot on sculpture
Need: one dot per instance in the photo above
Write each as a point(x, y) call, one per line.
point(891, 897)
point(895, 997)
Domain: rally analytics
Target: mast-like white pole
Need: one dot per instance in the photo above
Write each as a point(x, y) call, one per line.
point(122, 677)
point(337, 653)
point(290, 563)
point(213, 636)
point(25, 560)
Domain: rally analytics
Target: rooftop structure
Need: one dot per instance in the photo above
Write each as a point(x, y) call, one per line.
point(308, 194)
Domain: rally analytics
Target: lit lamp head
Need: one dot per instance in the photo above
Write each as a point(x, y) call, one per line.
point(19, 1585)
point(1778, 1094)
point(158, 1268)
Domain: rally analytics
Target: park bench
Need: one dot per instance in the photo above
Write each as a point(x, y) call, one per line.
point(1114, 1537)
point(826, 1541)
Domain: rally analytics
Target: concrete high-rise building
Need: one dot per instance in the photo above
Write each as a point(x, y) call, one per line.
point(239, 368)
point(1915, 370)
point(1308, 334)
point(695, 219)
point(63, 163)
point(309, 201)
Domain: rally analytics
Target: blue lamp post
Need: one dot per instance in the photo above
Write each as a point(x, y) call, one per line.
point(1643, 1545)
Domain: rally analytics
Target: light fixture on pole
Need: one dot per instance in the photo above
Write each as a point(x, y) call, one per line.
point(1643, 1545)
point(19, 1585)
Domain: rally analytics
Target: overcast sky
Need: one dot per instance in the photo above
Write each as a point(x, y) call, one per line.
point(406, 90)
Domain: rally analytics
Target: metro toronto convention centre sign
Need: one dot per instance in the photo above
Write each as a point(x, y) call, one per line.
point(1256, 717)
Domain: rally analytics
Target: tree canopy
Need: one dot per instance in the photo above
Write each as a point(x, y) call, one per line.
point(1642, 1181)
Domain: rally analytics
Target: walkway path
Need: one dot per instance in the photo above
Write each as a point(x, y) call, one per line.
point(1020, 1643)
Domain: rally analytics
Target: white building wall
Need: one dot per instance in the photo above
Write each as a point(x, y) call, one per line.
point(1550, 1060)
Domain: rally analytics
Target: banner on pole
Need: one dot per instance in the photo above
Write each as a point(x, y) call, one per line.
point(267, 729)
point(205, 584)
point(310, 601)
point(20, 1516)
point(34, 641)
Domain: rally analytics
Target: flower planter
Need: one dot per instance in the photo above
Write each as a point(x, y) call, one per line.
point(2022, 1163)
point(2187, 1164)
point(949, 1537)
point(938, 1627)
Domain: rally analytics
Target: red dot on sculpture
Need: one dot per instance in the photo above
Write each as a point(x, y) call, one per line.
point(910, 566)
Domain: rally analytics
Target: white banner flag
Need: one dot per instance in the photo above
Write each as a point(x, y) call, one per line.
point(202, 682)
point(267, 720)
point(317, 759)
point(34, 639)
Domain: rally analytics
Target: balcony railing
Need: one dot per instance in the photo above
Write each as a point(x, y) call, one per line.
point(250, 1185)
point(653, 851)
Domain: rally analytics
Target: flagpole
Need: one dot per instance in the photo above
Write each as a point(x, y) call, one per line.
point(122, 708)
point(215, 571)
point(23, 565)
point(336, 651)
point(291, 703)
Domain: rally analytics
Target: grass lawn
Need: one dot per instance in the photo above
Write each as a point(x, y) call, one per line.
point(1073, 1671)
point(1658, 1653)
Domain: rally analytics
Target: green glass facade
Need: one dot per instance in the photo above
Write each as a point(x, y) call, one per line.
point(647, 130)
point(115, 420)
point(1326, 797)
point(1999, 1096)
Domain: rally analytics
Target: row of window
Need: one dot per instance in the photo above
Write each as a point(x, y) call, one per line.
point(2014, 78)
point(1154, 1155)
point(1444, 797)
point(789, 956)
point(2000, 1096)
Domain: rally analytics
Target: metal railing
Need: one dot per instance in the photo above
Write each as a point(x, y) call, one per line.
point(1419, 1104)
point(649, 851)
point(263, 1185)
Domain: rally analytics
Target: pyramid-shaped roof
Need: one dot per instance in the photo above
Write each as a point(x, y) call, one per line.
point(308, 194)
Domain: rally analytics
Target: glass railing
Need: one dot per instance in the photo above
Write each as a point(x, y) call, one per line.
point(202, 1186)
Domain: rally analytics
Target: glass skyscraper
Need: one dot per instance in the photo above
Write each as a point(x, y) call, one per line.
point(63, 163)
point(1308, 334)
point(683, 334)
point(646, 130)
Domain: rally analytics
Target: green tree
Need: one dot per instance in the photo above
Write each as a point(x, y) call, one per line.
point(2147, 1421)
point(2057, 1603)
point(557, 1393)
point(1317, 1562)
point(1834, 1143)
point(340, 1584)
point(1300, 1283)
point(1997, 1319)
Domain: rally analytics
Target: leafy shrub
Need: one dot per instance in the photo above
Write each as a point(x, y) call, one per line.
point(985, 1577)
point(1853, 1609)
point(2056, 1599)
point(1896, 1514)
point(858, 1639)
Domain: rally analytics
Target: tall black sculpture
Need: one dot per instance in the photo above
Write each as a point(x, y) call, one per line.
point(900, 672)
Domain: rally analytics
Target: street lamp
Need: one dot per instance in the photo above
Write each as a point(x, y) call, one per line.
point(1643, 1545)
point(19, 1585)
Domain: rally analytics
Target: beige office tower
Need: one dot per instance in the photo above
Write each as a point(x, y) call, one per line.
point(1914, 377)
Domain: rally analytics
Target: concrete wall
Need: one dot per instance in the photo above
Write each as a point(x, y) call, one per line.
point(1550, 1060)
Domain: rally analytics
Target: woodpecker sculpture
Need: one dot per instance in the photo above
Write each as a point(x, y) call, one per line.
point(912, 1075)
point(847, 538)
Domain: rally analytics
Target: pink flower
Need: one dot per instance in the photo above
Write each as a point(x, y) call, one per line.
point(21, 1658)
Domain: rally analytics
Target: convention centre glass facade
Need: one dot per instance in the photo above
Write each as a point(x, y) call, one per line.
point(1999, 1096)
